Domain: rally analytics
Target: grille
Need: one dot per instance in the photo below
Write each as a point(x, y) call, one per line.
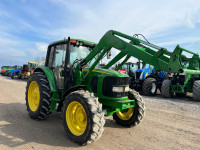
point(108, 84)
point(94, 83)
point(138, 75)
point(179, 79)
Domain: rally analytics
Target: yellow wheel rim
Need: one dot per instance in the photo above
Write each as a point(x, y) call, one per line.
point(126, 115)
point(33, 96)
point(76, 118)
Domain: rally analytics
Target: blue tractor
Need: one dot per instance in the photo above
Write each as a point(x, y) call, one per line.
point(15, 72)
point(148, 80)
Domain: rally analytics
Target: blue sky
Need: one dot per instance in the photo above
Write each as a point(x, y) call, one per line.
point(28, 26)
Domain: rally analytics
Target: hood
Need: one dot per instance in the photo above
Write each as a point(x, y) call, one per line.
point(143, 70)
point(107, 72)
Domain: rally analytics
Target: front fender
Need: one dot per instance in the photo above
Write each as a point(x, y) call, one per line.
point(50, 77)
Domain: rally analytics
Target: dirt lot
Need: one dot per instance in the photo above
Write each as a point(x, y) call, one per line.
point(168, 124)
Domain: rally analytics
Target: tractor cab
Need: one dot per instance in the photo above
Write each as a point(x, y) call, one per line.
point(146, 70)
point(129, 68)
point(32, 66)
point(63, 57)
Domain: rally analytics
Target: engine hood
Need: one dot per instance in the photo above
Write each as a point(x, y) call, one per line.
point(143, 70)
point(106, 72)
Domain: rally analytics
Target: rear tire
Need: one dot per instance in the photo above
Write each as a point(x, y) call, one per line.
point(137, 114)
point(150, 87)
point(166, 90)
point(83, 118)
point(38, 107)
point(196, 90)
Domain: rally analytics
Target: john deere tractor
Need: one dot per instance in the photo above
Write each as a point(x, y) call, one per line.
point(72, 82)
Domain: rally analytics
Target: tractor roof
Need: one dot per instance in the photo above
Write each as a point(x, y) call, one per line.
point(61, 41)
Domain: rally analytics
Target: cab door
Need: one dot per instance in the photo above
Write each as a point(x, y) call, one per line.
point(58, 64)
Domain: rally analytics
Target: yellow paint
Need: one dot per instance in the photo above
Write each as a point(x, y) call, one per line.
point(41, 63)
point(33, 62)
point(76, 118)
point(33, 96)
point(98, 71)
point(126, 115)
point(146, 75)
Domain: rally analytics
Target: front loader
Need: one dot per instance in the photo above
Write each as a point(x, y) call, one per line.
point(72, 82)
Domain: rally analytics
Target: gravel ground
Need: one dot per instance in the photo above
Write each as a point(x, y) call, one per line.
point(169, 124)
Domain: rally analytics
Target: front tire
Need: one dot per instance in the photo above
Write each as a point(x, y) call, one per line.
point(166, 90)
point(38, 96)
point(133, 116)
point(196, 90)
point(83, 117)
point(150, 87)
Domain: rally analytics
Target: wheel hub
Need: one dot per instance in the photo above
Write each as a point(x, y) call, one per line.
point(33, 96)
point(153, 89)
point(126, 115)
point(76, 118)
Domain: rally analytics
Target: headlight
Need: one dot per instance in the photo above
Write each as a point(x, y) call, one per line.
point(141, 75)
point(120, 89)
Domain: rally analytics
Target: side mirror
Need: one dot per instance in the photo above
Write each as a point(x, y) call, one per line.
point(108, 54)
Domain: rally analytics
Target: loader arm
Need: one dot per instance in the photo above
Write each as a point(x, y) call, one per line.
point(159, 57)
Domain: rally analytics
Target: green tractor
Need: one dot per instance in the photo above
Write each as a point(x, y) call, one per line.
point(72, 82)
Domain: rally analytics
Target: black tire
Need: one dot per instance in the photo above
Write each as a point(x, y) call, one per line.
point(196, 90)
point(138, 113)
point(94, 114)
point(166, 90)
point(43, 108)
point(149, 87)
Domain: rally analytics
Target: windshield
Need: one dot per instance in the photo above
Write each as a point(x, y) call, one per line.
point(80, 52)
point(146, 66)
point(133, 67)
point(124, 67)
point(32, 66)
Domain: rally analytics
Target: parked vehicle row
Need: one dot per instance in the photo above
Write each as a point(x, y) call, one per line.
point(19, 72)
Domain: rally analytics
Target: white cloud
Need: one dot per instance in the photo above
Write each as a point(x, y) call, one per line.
point(41, 46)
point(180, 41)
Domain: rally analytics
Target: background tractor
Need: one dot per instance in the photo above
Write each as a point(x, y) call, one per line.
point(3, 69)
point(148, 80)
point(27, 70)
point(8, 70)
point(130, 69)
point(14, 72)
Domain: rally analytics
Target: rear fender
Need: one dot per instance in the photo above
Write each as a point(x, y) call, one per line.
point(50, 77)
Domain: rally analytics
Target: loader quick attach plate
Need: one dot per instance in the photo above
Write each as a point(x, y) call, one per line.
point(111, 107)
